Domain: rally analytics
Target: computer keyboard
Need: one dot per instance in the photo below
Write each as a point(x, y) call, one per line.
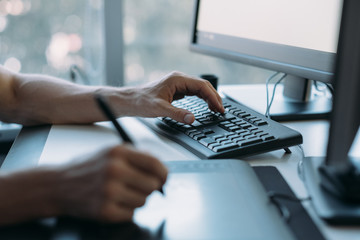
point(239, 132)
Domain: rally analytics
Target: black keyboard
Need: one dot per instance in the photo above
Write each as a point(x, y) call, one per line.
point(240, 131)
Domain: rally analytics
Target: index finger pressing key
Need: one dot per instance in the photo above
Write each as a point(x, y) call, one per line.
point(211, 96)
point(201, 88)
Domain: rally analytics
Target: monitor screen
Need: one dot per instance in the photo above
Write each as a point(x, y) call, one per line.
point(295, 37)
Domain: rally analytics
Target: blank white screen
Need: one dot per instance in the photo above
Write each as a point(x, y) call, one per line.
point(312, 24)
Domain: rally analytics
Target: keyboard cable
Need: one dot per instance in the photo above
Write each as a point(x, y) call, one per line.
point(269, 102)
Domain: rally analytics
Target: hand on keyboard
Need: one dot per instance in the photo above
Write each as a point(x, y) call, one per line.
point(155, 99)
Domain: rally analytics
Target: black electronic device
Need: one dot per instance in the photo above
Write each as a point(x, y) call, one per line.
point(241, 131)
point(297, 38)
point(334, 181)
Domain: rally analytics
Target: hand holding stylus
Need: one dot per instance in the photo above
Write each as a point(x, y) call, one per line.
point(105, 108)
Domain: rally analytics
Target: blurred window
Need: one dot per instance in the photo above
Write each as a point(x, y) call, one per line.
point(157, 38)
point(61, 36)
point(53, 37)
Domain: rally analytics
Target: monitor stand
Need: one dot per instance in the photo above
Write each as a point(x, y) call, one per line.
point(295, 99)
point(328, 206)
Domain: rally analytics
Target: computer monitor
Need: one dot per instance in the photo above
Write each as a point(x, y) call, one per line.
point(334, 181)
point(298, 38)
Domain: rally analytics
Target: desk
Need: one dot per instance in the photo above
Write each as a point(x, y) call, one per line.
point(102, 134)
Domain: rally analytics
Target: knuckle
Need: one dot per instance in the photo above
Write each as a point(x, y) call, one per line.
point(175, 73)
point(154, 184)
point(140, 201)
point(178, 113)
point(109, 191)
point(204, 83)
point(112, 170)
point(173, 77)
point(114, 152)
point(151, 159)
point(208, 83)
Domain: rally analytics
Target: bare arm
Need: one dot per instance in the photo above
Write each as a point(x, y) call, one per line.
point(35, 99)
point(32, 99)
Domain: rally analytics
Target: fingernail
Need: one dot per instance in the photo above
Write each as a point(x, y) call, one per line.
point(188, 118)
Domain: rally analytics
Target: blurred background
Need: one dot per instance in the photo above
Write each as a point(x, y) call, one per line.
point(62, 36)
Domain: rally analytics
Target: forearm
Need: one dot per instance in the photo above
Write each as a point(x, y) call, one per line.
point(44, 99)
point(27, 195)
point(38, 99)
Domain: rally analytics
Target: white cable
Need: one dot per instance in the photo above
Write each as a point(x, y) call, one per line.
point(273, 95)
point(267, 90)
point(269, 103)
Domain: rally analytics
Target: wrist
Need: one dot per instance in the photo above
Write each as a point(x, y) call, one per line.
point(27, 195)
point(49, 193)
point(43, 184)
point(123, 101)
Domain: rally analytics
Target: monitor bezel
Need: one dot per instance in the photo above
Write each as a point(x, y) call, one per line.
point(300, 62)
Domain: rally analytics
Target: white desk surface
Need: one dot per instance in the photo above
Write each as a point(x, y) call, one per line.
point(66, 142)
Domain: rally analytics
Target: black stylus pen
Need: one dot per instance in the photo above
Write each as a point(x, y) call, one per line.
point(105, 108)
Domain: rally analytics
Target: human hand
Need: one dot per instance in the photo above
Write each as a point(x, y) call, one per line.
point(109, 185)
point(154, 99)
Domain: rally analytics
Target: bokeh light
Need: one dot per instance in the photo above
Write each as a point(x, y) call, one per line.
point(129, 30)
point(14, 7)
point(134, 72)
point(96, 4)
point(61, 45)
point(13, 64)
point(3, 23)
point(40, 36)
point(3, 11)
